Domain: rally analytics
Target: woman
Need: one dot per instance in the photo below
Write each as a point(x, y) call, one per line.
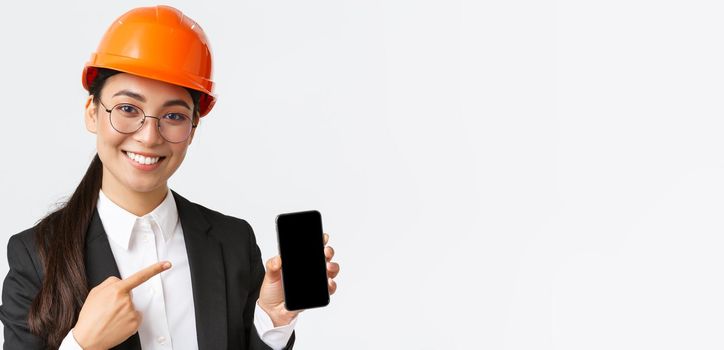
point(128, 263)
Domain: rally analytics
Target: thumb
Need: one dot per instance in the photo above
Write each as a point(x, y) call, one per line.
point(274, 269)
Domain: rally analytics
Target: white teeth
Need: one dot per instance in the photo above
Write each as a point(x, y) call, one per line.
point(141, 159)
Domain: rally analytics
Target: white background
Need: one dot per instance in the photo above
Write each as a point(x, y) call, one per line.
point(493, 174)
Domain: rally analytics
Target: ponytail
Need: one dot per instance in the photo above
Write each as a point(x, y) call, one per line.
point(60, 239)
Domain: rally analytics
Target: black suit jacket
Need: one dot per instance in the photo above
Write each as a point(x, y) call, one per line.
point(226, 274)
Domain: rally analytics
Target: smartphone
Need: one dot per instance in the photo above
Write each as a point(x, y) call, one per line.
point(304, 267)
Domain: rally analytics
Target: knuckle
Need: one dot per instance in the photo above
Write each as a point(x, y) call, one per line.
point(117, 290)
point(107, 282)
point(135, 321)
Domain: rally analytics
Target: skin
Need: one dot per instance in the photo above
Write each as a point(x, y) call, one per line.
point(108, 317)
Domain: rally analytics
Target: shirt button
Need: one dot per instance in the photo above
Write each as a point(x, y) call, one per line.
point(161, 339)
point(146, 237)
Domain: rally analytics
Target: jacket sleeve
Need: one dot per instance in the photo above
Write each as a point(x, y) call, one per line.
point(20, 287)
point(257, 273)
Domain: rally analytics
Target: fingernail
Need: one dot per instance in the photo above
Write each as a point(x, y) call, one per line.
point(166, 265)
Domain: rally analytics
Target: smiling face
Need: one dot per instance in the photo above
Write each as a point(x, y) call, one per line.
point(126, 174)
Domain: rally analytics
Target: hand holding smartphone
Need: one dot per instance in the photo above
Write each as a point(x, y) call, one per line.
point(304, 267)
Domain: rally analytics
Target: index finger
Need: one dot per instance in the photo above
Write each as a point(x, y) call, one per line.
point(144, 275)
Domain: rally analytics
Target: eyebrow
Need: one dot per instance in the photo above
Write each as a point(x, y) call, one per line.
point(137, 96)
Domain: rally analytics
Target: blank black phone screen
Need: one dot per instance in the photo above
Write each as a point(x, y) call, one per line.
point(304, 268)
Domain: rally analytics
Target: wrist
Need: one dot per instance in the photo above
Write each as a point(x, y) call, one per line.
point(279, 315)
point(84, 343)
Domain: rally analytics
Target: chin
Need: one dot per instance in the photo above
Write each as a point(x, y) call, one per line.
point(142, 186)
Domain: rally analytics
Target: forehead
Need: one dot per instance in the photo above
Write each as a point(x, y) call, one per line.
point(150, 88)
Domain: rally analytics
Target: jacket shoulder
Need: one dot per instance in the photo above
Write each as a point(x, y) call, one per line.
point(227, 229)
point(220, 219)
point(24, 240)
point(231, 231)
point(216, 218)
point(22, 249)
point(26, 236)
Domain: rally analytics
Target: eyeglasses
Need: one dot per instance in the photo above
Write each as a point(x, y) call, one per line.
point(127, 118)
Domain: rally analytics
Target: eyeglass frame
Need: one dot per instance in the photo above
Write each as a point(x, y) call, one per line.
point(158, 124)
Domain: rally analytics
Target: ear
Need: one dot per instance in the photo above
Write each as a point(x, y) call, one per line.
point(193, 131)
point(91, 115)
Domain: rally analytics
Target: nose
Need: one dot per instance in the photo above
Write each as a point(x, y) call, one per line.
point(150, 133)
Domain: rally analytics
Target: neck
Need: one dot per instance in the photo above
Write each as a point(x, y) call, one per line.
point(137, 203)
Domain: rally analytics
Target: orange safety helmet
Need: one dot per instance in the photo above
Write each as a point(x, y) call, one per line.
point(159, 43)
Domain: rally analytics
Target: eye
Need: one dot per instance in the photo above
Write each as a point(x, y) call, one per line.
point(127, 109)
point(176, 117)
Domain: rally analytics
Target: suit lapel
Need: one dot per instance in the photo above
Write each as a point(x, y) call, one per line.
point(100, 264)
point(207, 275)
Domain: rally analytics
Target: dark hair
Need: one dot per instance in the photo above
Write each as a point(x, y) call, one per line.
point(60, 239)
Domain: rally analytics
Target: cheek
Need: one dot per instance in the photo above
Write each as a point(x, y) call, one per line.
point(179, 153)
point(108, 139)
